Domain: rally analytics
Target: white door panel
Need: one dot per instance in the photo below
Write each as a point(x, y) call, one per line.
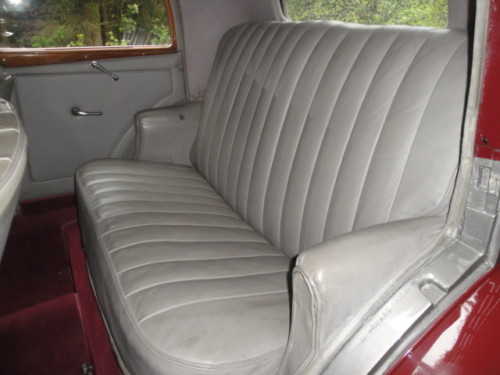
point(59, 141)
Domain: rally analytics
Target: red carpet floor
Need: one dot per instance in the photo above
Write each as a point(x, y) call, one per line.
point(44, 339)
point(49, 319)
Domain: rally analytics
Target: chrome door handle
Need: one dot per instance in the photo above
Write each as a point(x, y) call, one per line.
point(75, 111)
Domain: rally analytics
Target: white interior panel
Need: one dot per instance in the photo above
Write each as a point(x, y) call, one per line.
point(59, 141)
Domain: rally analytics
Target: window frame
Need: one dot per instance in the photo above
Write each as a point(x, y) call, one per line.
point(20, 57)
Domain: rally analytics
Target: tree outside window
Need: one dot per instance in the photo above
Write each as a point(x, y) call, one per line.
point(80, 23)
point(433, 13)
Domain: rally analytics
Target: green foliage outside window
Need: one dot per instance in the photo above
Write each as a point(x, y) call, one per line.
point(79, 23)
point(433, 13)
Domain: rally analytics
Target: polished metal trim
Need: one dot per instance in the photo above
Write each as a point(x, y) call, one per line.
point(98, 66)
point(75, 111)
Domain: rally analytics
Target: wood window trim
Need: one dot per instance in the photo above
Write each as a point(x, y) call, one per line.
point(20, 57)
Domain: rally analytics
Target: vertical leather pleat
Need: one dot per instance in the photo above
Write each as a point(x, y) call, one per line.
point(313, 130)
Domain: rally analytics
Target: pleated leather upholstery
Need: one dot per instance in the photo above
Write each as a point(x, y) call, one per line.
point(308, 131)
point(185, 283)
point(314, 130)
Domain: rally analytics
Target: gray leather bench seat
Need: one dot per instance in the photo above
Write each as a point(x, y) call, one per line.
point(338, 143)
point(179, 255)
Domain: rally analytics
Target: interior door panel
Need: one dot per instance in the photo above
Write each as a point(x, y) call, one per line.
point(58, 140)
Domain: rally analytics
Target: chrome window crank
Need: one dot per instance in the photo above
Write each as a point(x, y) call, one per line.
point(75, 111)
point(98, 66)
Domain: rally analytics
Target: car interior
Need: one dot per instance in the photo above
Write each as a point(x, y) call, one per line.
point(264, 196)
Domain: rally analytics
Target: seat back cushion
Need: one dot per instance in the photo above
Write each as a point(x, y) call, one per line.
point(312, 130)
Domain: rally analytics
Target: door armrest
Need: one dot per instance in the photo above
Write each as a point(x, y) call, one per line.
point(335, 280)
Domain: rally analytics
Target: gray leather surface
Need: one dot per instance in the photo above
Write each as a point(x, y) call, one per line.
point(339, 277)
point(167, 134)
point(187, 286)
point(13, 155)
point(59, 141)
point(313, 130)
point(308, 132)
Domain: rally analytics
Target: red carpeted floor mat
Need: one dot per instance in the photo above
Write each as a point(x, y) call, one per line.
point(46, 205)
point(44, 339)
point(35, 266)
point(17, 295)
point(48, 315)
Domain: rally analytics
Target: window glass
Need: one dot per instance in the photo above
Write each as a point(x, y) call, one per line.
point(82, 23)
point(433, 13)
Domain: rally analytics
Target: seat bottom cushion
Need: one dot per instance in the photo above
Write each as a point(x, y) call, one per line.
point(185, 285)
